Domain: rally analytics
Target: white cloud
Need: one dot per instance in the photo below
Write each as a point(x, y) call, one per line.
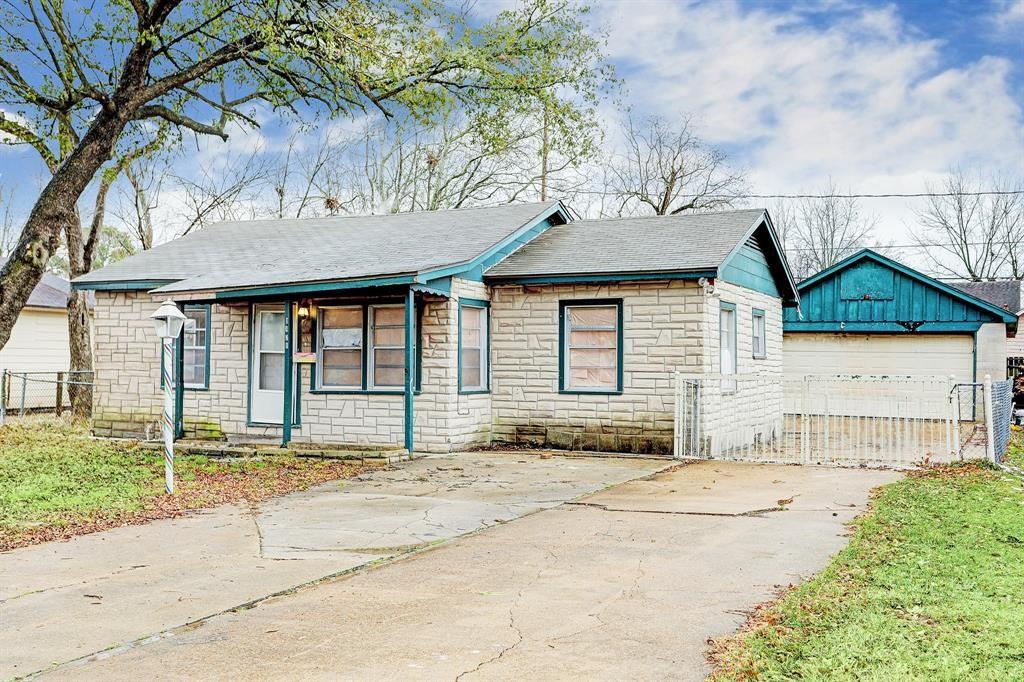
point(857, 95)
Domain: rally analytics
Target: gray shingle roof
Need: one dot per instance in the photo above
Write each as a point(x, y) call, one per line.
point(51, 291)
point(1005, 294)
point(269, 252)
point(680, 243)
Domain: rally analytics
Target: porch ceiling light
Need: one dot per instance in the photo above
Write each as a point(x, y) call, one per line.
point(303, 311)
point(168, 320)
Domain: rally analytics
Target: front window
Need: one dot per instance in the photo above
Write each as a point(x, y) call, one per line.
point(195, 338)
point(387, 346)
point(341, 347)
point(591, 338)
point(473, 348)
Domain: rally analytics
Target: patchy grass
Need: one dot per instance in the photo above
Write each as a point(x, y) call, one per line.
point(931, 587)
point(1015, 451)
point(56, 482)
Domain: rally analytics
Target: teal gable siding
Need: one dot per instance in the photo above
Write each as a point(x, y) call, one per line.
point(749, 268)
point(869, 293)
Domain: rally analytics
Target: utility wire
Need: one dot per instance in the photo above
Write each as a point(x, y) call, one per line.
point(889, 195)
point(927, 245)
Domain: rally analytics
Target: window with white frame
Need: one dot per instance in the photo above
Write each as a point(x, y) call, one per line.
point(340, 350)
point(473, 347)
point(387, 346)
point(758, 337)
point(590, 356)
point(195, 341)
point(727, 338)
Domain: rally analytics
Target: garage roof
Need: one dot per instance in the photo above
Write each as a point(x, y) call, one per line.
point(868, 292)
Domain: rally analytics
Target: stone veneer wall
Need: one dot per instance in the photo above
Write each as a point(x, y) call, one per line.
point(663, 330)
point(128, 400)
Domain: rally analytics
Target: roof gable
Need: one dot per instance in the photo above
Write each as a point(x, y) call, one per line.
point(869, 292)
point(688, 245)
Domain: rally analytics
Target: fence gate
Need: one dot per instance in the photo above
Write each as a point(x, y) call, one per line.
point(849, 420)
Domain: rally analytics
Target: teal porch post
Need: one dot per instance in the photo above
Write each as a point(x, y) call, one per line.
point(286, 423)
point(410, 373)
point(179, 385)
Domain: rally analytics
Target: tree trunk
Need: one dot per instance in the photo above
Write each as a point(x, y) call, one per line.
point(54, 209)
point(80, 337)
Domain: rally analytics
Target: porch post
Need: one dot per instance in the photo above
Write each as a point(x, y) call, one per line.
point(286, 423)
point(410, 326)
point(179, 385)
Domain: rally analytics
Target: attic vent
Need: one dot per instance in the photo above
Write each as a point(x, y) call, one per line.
point(753, 243)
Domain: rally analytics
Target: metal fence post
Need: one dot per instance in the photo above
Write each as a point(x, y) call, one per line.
point(990, 422)
point(24, 387)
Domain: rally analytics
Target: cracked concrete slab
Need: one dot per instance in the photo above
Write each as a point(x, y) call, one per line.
point(60, 601)
point(571, 592)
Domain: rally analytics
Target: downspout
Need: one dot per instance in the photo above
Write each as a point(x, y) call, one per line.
point(286, 422)
point(410, 326)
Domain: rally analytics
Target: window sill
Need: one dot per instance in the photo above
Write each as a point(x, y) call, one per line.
point(474, 391)
point(357, 391)
point(760, 357)
point(573, 391)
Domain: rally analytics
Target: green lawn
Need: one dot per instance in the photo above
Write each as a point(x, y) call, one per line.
point(931, 587)
point(56, 482)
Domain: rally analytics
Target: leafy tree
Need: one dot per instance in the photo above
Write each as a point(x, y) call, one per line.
point(93, 85)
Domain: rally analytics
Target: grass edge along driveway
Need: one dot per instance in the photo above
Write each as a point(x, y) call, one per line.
point(931, 587)
point(57, 482)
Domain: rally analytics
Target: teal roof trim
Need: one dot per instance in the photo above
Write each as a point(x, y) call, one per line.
point(868, 288)
point(766, 271)
point(474, 269)
point(584, 278)
point(311, 287)
point(139, 285)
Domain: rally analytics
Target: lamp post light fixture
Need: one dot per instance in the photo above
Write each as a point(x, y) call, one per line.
point(168, 321)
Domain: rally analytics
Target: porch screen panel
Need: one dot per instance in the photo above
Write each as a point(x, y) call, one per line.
point(591, 347)
point(387, 346)
point(341, 347)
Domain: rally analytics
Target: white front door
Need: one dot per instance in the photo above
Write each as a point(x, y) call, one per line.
point(266, 389)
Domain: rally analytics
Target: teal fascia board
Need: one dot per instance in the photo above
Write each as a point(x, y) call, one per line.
point(441, 286)
point(741, 266)
point(868, 254)
point(474, 269)
point(880, 327)
point(138, 285)
point(616, 277)
point(312, 288)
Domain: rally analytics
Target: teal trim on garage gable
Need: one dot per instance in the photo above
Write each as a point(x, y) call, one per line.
point(869, 292)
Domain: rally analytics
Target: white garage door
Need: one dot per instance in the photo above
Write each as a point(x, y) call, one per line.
point(877, 354)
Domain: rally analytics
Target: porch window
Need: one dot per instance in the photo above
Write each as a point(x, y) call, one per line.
point(758, 339)
point(473, 346)
point(727, 343)
point(341, 347)
point(387, 346)
point(591, 346)
point(196, 339)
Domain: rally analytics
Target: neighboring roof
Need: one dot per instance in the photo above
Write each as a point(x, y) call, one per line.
point(870, 292)
point(687, 242)
point(1007, 294)
point(51, 292)
point(259, 253)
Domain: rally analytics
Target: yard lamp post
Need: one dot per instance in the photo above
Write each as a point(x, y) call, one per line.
point(168, 321)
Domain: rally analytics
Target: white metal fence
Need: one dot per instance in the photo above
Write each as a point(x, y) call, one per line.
point(847, 420)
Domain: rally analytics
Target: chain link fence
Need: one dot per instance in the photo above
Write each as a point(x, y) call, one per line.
point(27, 393)
point(1002, 414)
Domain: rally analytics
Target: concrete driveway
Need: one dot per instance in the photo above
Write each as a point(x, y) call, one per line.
point(62, 601)
point(627, 582)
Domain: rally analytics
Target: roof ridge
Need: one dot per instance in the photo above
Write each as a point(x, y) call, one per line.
point(688, 214)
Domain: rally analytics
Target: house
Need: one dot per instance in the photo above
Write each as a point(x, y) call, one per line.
point(517, 323)
point(869, 315)
point(1007, 294)
point(39, 342)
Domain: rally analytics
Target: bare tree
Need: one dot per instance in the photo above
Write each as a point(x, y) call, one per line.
point(665, 169)
point(139, 197)
point(8, 230)
point(226, 188)
point(818, 233)
point(969, 235)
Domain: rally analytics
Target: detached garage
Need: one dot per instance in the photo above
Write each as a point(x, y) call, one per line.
point(870, 315)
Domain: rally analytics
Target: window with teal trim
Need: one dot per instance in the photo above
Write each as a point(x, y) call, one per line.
point(196, 340)
point(340, 361)
point(727, 344)
point(758, 340)
point(591, 346)
point(473, 347)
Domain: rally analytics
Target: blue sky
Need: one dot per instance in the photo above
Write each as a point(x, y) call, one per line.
point(879, 96)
